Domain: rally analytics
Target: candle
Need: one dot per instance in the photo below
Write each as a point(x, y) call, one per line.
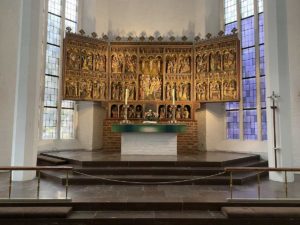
point(173, 96)
point(126, 96)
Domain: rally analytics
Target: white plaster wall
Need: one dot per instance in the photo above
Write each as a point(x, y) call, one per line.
point(293, 29)
point(164, 17)
point(10, 22)
point(214, 125)
point(90, 125)
point(98, 118)
point(85, 124)
point(155, 17)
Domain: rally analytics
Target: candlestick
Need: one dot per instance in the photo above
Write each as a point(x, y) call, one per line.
point(126, 96)
point(173, 96)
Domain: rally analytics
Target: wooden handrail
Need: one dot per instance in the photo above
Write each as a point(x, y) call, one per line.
point(260, 169)
point(61, 168)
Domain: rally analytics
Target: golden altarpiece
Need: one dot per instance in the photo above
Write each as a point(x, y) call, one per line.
point(206, 70)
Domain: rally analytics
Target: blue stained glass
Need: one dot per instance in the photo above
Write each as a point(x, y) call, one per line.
point(232, 122)
point(261, 28)
point(229, 27)
point(250, 124)
point(263, 91)
point(248, 38)
point(264, 135)
point(248, 57)
point(249, 93)
point(232, 105)
point(262, 59)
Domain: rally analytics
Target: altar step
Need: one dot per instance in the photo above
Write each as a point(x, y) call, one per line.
point(165, 217)
point(150, 213)
point(75, 179)
point(134, 170)
point(156, 161)
point(196, 171)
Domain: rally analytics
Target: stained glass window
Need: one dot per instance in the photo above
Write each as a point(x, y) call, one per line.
point(247, 8)
point(263, 91)
point(260, 6)
point(229, 27)
point(232, 124)
point(249, 93)
point(58, 115)
point(261, 28)
point(248, 32)
point(232, 105)
point(250, 124)
point(248, 62)
point(264, 124)
point(230, 11)
point(240, 14)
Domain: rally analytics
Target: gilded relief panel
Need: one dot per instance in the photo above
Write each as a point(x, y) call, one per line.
point(85, 69)
point(217, 71)
point(178, 73)
point(203, 71)
point(124, 66)
point(150, 73)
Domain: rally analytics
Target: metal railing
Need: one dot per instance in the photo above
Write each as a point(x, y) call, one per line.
point(38, 170)
point(259, 170)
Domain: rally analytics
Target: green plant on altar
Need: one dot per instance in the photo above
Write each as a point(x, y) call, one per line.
point(151, 116)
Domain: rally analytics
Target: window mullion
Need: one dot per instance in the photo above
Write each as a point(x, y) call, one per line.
point(42, 85)
point(257, 70)
point(59, 96)
point(239, 25)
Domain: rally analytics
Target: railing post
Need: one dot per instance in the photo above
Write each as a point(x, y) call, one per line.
point(10, 184)
point(38, 184)
point(258, 185)
point(231, 185)
point(286, 185)
point(67, 184)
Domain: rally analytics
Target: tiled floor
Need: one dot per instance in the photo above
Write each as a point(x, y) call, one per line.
point(147, 193)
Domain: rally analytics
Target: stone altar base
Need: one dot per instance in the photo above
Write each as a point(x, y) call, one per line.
point(149, 143)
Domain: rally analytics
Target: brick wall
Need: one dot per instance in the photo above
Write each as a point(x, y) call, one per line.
point(186, 142)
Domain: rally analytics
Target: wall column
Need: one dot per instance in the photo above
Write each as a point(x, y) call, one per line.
point(278, 80)
point(22, 68)
point(10, 23)
point(27, 101)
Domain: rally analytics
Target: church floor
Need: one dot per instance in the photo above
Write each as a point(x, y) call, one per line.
point(148, 193)
point(111, 203)
point(116, 165)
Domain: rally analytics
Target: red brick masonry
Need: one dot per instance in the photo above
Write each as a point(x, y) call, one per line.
point(186, 142)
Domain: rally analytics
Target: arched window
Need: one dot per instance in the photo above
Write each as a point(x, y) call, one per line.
point(246, 120)
point(58, 115)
